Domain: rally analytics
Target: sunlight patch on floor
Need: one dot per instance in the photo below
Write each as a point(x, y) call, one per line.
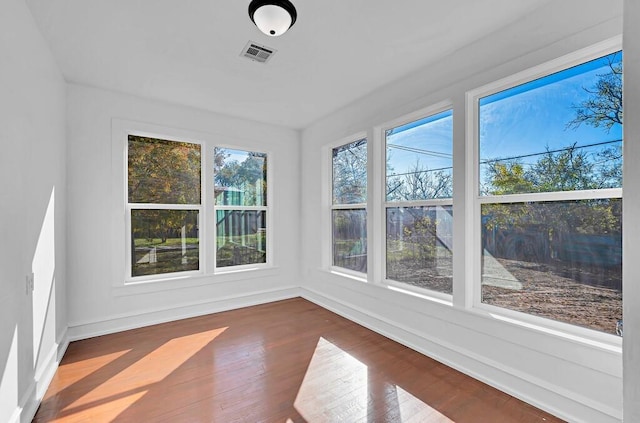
point(413, 410)
point(106, 410)
point(334, 387)
point(150, 369)
point(72, 376)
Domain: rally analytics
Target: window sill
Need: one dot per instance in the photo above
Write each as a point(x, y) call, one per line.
point(566, 331)
point(581, 336)
point(344, 273)
point(424, 294)
point(192, 281)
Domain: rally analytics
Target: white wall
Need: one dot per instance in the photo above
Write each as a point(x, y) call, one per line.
point(571, 379)
point(32, 213)
point(97, 304)
point(631, 247)
point(576, 380)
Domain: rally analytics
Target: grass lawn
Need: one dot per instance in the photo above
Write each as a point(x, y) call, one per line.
point(170, 242)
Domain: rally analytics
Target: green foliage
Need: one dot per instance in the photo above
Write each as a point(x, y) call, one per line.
point(509, 178)
point(587, 217)
point(241, 249)
point(565, 170)
point(421, 236)
point(568, 169)
point(163, 172)
point(240, 183)
point(163, 224)
point(168, 242)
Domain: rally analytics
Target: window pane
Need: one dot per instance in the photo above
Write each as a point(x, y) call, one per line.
point(562, 132)
point(350, 173)
point(420, 160)
point(350, 239)
point(419, 246)
point(163, 172)
point(164, 241)
point(240, 177)
point(241, 237)
point(560, 260)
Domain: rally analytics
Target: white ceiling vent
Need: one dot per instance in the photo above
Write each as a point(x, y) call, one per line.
point(257, 52)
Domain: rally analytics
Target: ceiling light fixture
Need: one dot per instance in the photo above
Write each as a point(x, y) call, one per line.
point(272, 17)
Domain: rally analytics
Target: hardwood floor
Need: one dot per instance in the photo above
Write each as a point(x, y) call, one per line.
point(289, 361)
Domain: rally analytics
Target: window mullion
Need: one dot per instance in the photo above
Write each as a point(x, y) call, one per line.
point(552, 196)
point(153, 206)
point(248, 208)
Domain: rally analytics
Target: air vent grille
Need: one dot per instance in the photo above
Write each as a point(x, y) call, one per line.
point(257, 52)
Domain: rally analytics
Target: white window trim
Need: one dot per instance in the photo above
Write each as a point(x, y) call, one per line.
point(146, 206)
point(381, 227)
point(472, 217)
point(202, 224)
point(121, 268)
point(268, 219)
point(466, 297)
point(327, 222)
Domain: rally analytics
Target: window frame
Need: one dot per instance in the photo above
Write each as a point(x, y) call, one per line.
point(122, 282)
point(473, 244)
point(435, 109)
point(129, 207)
point(328, 260)
point(266, 208)
point(467, 226)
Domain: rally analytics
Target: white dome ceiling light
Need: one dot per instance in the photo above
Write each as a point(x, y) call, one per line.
point(272, 17)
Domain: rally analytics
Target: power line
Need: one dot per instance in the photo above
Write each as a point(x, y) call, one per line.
point(574, 147)
point(421, 171)
point(421, 151)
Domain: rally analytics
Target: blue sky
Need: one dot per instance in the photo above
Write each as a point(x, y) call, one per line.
point(531, 117)
point(428, 140)
point(522, 120)
point(235, 155)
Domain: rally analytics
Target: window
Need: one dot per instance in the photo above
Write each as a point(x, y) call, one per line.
point(550, 194)
point(348, 210)
point(418, 207)
point(240, 189)
point(164, 206)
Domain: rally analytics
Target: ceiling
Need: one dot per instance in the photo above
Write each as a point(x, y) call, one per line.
point(188, 51)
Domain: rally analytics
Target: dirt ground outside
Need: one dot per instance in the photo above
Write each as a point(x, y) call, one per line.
point(553, 291)
point(556, 291)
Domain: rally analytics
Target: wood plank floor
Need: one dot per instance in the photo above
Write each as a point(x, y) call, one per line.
point(289, 361)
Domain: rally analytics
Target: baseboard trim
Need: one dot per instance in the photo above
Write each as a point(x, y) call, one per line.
point(119, 323)
point(28, 405)
point(44, 374)
point(409, 337)
point(403, 335)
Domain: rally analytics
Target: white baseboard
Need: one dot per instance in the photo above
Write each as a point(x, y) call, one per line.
point(119, 323)
point(32, 397)
point(509, 380)
point(479, 367)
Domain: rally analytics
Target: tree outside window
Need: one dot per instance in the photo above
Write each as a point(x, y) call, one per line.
point(550, 193)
